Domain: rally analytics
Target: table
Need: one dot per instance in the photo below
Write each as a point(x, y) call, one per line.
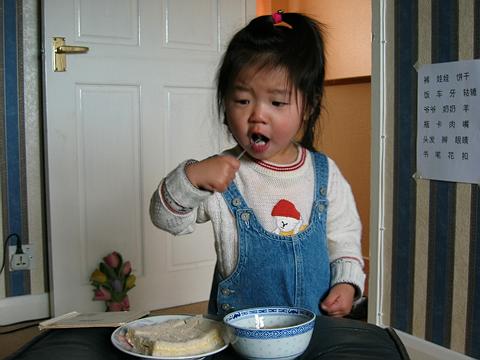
point(333, 338)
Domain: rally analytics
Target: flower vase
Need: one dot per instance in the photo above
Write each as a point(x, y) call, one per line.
point(123, 305)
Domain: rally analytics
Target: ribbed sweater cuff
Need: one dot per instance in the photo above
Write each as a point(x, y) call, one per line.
point(181, 190)
point(347, 270)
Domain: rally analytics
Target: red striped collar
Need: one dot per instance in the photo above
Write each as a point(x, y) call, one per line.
point(290, 167)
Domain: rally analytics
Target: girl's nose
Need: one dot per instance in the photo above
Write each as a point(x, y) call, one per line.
point(259, 114)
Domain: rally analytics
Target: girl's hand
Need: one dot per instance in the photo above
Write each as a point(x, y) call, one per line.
point(339, 301)
point(214, 173)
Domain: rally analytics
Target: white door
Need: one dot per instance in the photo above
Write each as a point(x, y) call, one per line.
point(117, 120)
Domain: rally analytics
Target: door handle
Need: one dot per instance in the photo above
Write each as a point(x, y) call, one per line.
point(67, 49)
point(60, 50)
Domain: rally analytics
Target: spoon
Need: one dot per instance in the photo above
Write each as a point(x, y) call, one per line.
point(241, 154)
point(245, 150)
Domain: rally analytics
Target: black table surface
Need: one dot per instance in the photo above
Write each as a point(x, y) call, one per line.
point(333, 338)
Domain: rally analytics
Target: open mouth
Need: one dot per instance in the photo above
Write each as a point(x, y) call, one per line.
point(259, 139)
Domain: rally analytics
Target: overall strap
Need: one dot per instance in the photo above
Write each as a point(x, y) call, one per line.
point(234, 198)
point(321, 175)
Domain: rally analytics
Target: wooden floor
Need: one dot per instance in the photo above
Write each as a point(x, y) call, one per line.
point(15, 336)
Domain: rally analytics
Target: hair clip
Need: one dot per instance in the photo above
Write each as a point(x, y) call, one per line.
point(278, 21)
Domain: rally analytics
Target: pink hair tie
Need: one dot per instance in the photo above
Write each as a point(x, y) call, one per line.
point(278, 21)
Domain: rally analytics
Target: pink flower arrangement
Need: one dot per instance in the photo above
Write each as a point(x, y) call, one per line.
point(112, 280)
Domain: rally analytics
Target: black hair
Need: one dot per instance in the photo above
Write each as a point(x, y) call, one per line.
point(297, 48)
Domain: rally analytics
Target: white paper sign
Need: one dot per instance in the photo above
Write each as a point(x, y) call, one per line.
point(448, 130)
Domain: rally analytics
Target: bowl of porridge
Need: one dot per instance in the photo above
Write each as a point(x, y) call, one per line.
point(270, 332)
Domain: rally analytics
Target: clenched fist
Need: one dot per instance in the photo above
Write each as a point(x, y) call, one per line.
point(214, 173)
point(339, 300)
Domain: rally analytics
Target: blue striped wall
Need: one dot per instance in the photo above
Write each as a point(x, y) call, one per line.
point(404, 164)
point(442, 195)
point(473, 311)
point(12, 141)
point(438, 307)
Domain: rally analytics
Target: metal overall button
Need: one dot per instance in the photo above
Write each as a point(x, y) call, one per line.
point(226, 307)
point(323, 191)
point(245, 216)
point(236, 202)
point(226, 292)
point(321, 207)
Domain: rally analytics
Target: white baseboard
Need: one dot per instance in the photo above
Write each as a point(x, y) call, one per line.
point(419, 349)
point(23, 308)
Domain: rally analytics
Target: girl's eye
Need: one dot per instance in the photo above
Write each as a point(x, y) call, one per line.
point(279, 103)
point(242, 101)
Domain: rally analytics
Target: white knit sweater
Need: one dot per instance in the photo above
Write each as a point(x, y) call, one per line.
point(177, 205)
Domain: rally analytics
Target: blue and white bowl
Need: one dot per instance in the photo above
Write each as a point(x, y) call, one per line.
point(270, 332)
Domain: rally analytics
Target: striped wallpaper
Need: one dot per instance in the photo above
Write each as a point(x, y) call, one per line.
point(12, 140)
point(21, 190)
point(434, 249)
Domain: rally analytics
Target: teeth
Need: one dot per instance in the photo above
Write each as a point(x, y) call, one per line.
point(259, 139)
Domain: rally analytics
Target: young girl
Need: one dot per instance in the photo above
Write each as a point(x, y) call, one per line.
point(286, 227)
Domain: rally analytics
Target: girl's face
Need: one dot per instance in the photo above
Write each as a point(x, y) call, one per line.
point(264, 114)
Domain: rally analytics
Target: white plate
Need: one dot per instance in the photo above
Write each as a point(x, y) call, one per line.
point(121, 343)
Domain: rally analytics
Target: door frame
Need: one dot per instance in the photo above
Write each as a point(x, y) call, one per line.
point(378, 152)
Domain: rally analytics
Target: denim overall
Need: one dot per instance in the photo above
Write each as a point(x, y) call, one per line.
point(276, 270)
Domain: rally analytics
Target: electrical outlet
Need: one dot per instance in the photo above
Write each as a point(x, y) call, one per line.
point(20, 262)
point(25, 261)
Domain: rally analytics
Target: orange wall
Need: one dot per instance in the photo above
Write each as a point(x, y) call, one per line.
point(348, 31)
point(344, 135)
